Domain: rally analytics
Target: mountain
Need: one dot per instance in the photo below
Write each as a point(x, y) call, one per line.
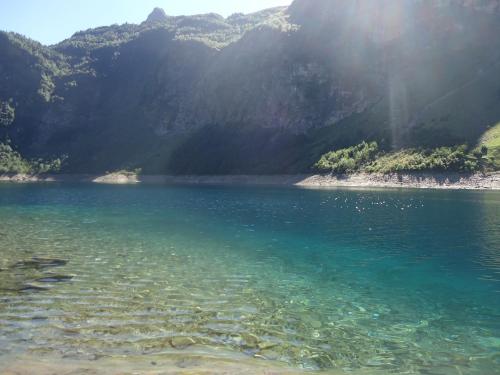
point(268, 92)
point(157, 15)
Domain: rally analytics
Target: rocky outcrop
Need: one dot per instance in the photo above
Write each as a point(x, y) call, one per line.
point(157, 15)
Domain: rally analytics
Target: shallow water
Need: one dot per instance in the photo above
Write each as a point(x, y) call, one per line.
point(399, 281)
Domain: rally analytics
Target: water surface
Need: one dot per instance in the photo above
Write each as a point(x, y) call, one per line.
point(398, 281)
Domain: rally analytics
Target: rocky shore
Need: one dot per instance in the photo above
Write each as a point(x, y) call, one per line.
point(198, 361)
point(175, 363)
point(113, 178)
point(408, 180)
point(403, 180)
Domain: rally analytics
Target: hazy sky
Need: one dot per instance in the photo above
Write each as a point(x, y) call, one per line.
point(50, 21)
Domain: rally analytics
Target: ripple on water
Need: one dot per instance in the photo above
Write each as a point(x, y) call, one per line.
point(305, 283)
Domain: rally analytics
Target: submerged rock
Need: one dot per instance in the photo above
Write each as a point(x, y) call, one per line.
point(181, 342)
point(267, 345)
point(250, 340)
point(54, 279)
point(70, 331)
point(39, 263)
point(32, 288)
point(271, 355)
point(16, 288)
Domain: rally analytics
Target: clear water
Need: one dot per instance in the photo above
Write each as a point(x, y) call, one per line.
point(400, 281)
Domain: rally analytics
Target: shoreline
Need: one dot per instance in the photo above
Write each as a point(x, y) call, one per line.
point(188, 363)
point(421, 180)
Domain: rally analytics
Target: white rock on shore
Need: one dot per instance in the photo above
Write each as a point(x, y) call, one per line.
point(117, 179)
point(403, 180)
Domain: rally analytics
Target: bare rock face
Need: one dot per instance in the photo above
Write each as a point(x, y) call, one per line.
point(262, 93)
point(157, 15)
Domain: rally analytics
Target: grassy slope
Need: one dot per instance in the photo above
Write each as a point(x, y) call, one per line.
point(491, 139)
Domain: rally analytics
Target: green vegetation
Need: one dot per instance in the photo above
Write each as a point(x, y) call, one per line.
point(442, 159)
point(261, 93)
point(348, 160)
point(491, 140)
point(46, 59)
point(128, 172)
point(11, 162)
point(210, 29)
point(366, 157)
point(7, 114)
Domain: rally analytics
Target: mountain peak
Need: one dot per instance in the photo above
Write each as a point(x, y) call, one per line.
point(157, 15)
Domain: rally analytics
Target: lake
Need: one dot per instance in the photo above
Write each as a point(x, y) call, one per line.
point(402, 281)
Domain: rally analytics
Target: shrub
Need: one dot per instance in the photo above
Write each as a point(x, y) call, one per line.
point(129, 172)
point(490, 141)
point(455, 159)
point(12, 162)
point(365, 157)
point(7, 114)
point(348, 160)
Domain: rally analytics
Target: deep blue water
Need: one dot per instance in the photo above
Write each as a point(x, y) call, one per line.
point(396, 280)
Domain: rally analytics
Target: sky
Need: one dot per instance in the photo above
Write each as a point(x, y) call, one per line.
point(51, 21)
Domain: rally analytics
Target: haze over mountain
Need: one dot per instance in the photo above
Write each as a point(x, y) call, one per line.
point(267, 92)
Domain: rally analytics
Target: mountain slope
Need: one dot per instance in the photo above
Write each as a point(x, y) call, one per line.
point(262, 93)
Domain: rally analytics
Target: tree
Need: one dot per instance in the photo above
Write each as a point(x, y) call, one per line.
point(7, 114)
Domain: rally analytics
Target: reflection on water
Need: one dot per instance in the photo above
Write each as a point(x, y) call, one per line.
point(489, 255)
point(389, 280)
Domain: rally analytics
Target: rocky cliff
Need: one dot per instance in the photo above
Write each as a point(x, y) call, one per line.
point(261, 93)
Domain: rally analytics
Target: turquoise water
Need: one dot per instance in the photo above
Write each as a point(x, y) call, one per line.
point(399, 281)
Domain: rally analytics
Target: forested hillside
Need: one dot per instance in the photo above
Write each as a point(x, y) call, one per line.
point(269, 92)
